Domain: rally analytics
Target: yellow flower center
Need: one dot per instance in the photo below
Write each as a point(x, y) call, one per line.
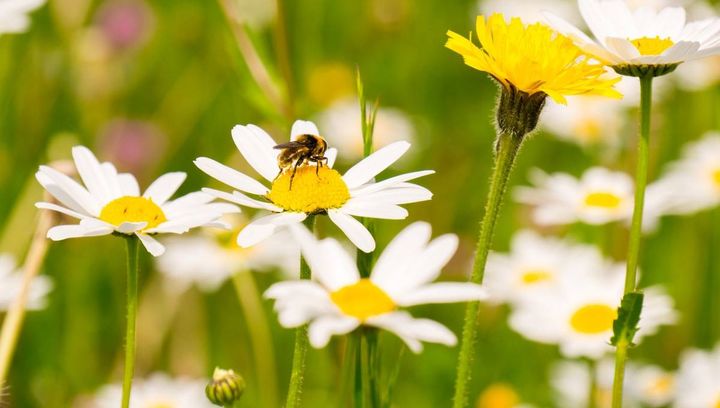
point(534, 276)
point(716, 177)
point(313, 190)
point(133, 209)
point(160, 405)
point(652, 46)
point(602, 199)
point(362, 300)
point(662, 385)
point(498, 396)
point(593, 319)
point(717, 404)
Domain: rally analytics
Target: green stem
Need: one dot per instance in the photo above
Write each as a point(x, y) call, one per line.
point(636, 227)
point(260, 337)
point(593, 386)
point(132, 302)
point(367, 392)
point(507, 149)
point(297, 374)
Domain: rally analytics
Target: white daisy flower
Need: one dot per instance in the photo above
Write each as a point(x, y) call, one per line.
point(537, 262)
point(342, 127)
point(158, 390)
point(585, 120)
point(644, 36)
point(338, 300)
point(315, 189)
point(110, 202)
point(11, 279)
point(210, 258)
point(578, 313)
point(693, 183)
point(645, 385)
point(14, 14)
point(698, 379)
point(600, 196)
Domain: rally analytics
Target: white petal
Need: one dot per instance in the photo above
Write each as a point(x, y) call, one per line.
point(372, 165)
point(399, 195)
point(367, 208)
point(303, 127)
point(230, 176)
point(187, 203)
point(112, 180)
point(60, 209)
point(388, 183)
point(622, 47)
point(164, 187)
point(330, 263)
point(325, 327)
point(91, 173)
point(412, 330)
point(128, 185)
point(183, 224)
point(445, 292)
point(130, 227)
point(242, 199)
point(426, 265)
point(331, 155)
point(391, 266)
point(61, 232)
point(151, 244)
point(253, 145)
point(67, 191)
point(354, 230)
point(264, 227)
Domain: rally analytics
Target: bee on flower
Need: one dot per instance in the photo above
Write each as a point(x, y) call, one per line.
point(338, 300)
point(600, 196)
point(11, 282)
point(317, 188)
point(110, 202)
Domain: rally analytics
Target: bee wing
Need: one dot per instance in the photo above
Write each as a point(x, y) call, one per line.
point(288, 145)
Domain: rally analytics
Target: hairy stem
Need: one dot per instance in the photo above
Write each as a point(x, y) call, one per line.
point(132, 302)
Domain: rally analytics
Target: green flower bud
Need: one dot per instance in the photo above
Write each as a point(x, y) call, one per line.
point(225, 388)
point(518, 112)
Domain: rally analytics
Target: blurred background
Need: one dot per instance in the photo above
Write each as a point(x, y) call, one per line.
point(151, 85)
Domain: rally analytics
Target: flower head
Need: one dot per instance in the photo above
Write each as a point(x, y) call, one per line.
point(577, 314)
point(598, 197)
point(532, 59)
point(11, 282)
point(316, 189)
point(698, 379)
point(14, 14)
point(110, 202)
point(158, 390)
point(338, 300)
point(641, 41)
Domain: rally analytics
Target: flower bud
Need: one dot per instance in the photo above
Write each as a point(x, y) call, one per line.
point(225, 388)
point(518, 112)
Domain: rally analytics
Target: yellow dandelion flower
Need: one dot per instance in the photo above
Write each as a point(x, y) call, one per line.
point(533, 59)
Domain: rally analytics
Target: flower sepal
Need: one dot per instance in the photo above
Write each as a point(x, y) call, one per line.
point(518, 112)
point(644, 70)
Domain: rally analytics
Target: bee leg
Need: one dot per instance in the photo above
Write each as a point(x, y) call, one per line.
point(292, 176)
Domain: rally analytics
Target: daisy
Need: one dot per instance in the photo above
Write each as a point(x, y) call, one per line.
point(578, 313)
point(537, 262)
point(645, 37)
point(532, 59)
point(315, 189)
point(693, 182)
point(698, 379)
point(158, 390)
point(338, 300)
point(110, 202)
point(210, 258)
point(342, 126)
point(11, 281)
point(647, 385)
point(600, 196)
point(14, 14)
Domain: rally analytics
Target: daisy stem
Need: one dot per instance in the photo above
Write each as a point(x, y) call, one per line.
point(593, 386)
point(636, 227)
point(367, 394)
point(260, 337)
point(132, 301)
point(506, 150)
point(297, 374)
point(16, 313)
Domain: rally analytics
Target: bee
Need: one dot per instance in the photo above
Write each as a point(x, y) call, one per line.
point(304, 149)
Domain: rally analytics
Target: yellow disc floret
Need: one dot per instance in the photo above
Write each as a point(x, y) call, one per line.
point(362, 300)
point(593, 319)
point(532, 58)
point(603, 200)
point(498, 396)
point(652, 46)
point(133, 209)
point(716, 177)
point(313, 190)
point(535, 276)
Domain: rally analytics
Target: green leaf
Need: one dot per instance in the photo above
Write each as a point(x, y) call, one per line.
point(626, 324)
